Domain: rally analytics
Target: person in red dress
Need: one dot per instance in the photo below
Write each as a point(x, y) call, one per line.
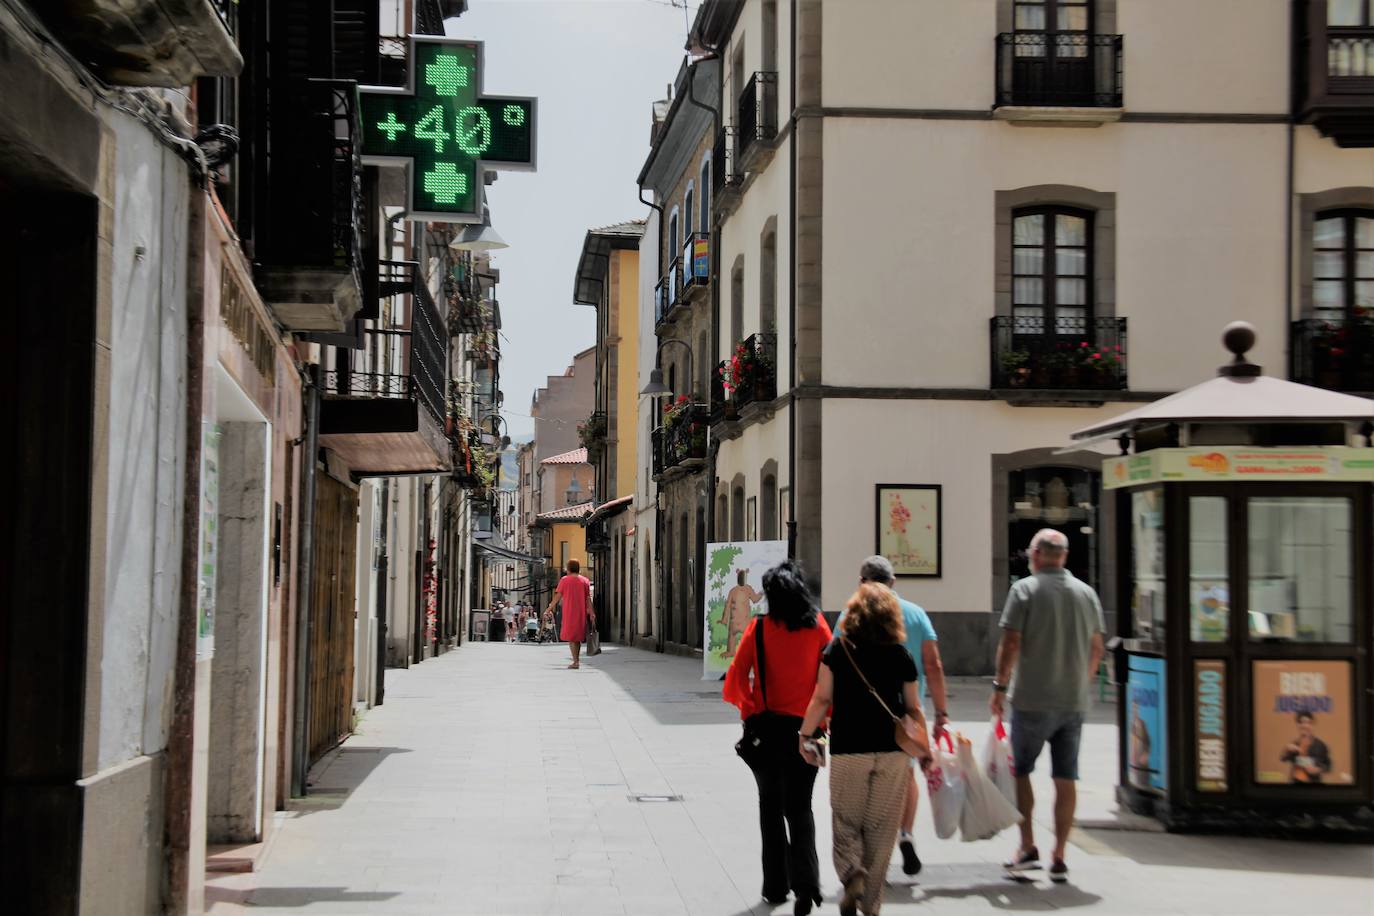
point(574, 592)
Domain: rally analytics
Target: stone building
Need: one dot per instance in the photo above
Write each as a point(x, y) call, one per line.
point(950, 234)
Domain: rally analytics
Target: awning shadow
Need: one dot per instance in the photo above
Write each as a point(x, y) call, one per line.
point(338, 774)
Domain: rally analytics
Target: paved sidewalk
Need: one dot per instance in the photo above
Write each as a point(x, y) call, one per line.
point(494, 781)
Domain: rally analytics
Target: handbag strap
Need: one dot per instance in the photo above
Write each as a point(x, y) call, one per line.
point(859, 671)
point(758, 658)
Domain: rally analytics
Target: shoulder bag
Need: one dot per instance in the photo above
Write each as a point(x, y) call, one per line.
point(768, 735)
point(908, 730)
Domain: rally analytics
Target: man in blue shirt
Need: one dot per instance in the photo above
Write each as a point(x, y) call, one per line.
point(921, 642)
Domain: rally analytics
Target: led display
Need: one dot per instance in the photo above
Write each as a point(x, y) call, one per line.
point(445, 130)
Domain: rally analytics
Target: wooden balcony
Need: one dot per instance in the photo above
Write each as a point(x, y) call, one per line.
point(1336, 65)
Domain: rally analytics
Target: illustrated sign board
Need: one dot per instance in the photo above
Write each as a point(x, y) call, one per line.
point(1304, 722)
point(1314, 463)
point(734, 594)
point(1145, 715)
point(444, 130)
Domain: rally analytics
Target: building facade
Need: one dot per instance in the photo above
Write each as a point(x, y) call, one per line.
point(948, 237)
point(678, 175)
point(608, 280)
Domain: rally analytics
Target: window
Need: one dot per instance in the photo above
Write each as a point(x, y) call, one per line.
point(674, 243)
point(1300, 583)
point(736, 304)
point(1051, 271)
point(768, 278)
point(1350, 13)
point(737, 512)
point(1209, 583)
point(688, 211)
point(1060, 18)
point(1147, 564)
point(768, 505)
point(1342, 262)
point(705, 184)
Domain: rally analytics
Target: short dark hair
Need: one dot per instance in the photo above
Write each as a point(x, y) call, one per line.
point(789, 597)
point(1305, 714)
point(574, 567)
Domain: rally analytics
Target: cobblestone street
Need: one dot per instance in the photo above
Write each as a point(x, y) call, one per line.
point(494, 781)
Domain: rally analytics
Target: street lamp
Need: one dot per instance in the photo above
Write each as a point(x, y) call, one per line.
point(479, 236)
point(489, 438)
point(656, 388)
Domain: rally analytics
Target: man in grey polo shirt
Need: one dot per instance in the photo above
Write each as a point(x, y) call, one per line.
point(1052, 629)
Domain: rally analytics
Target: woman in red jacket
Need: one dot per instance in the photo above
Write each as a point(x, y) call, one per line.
point(794, 635)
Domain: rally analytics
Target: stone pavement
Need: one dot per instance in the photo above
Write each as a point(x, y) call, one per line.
point(494, 781)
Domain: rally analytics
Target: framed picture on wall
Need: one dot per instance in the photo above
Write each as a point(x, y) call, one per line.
point(907, 527)
point(751, 519)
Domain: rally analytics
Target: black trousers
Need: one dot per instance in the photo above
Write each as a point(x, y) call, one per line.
point(787, 827)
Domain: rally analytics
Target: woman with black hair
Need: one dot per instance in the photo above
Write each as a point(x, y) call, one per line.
point(782, 650)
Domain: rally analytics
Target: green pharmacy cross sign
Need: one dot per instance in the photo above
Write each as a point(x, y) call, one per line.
point(444, 130)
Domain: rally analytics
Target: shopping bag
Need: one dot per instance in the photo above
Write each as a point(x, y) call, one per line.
point(986, 813)
point(945, 787)
point(593, 639)
point(998, 763)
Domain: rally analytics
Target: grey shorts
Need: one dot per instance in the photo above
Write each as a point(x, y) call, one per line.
point(1029, 732)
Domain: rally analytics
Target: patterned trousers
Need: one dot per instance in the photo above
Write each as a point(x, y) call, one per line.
point(866, 795)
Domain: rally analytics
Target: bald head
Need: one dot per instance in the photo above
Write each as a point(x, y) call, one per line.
point(1048, 549)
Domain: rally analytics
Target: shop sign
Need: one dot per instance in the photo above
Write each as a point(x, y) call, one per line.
point(1146, 745)
point(1335, 463)
point(1304, 723)
point(241, 318)
point(1209, 691)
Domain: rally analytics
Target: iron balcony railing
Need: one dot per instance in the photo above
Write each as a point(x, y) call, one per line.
point(315, 179)
point(1070, 70)
point(725, 175)
point(757, 118)
point(687, 272)
point(404, 352)
point(749, 376)
point(429, 17)
point(1070, 354)
point(1336, 354)
point(682, 437)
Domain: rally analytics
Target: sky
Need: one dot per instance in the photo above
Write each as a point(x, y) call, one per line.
point(596, 66)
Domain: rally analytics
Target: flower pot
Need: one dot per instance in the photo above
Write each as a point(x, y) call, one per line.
point(1019, 377)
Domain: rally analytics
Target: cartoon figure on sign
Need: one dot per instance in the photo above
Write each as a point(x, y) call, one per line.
point(738, 609)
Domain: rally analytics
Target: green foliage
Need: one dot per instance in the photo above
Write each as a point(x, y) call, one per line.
point(722, 559)
point(720, 633)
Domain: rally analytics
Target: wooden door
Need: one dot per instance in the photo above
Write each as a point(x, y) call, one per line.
point(332, 614)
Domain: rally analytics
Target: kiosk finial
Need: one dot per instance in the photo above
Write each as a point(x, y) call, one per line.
point(1239, 337)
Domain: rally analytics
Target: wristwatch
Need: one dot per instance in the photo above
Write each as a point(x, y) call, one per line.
point(941, 714)
point(999, 688)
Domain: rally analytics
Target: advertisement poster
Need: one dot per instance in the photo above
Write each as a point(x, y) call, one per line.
point(1209, 686)
point(1304, 723)
point(734, 593)
point(1325, 463)
point(209, 542)
point(909, 528)
point(1146, 744)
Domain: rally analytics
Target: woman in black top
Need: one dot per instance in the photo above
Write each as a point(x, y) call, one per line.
point(868, 771)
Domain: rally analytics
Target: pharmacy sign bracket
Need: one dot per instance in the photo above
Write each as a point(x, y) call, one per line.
point(444, 130)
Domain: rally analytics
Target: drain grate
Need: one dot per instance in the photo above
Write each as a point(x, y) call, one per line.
point(654, 799)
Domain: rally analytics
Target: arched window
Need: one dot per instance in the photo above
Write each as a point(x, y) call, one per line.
point(1342, 262)
point(736, 304)
point(689, 212)
point(674, 242)
point(768, 503)
point(722, 518)
point(1052, 271)
point(768, 277)
point(737, 509)
point(705, 195)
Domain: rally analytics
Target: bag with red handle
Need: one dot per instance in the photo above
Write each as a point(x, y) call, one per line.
point(998, 763)
point(945, 786)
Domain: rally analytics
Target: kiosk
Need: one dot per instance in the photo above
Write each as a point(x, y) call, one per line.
point(1245, 565)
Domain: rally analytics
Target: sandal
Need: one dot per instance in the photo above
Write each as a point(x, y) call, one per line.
point(574, 667)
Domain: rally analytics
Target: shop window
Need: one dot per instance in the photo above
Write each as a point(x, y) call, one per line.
point(1061, 498)
point(1209, 585)
point(1147, 563)
point(1300, 582)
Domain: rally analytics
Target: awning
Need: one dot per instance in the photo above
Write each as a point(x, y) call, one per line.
point(607, 509)
point(507, 554)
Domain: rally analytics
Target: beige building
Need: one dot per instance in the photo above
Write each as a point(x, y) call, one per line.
point(953, 215)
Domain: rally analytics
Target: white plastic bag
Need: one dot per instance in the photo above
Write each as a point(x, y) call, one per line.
point(986, 813)
point(945, 787)
point(998, 763)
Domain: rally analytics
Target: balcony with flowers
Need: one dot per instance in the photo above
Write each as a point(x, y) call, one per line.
point(1336, 353)
point(680, 439)
point(748, 380)
point(1079, 355)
